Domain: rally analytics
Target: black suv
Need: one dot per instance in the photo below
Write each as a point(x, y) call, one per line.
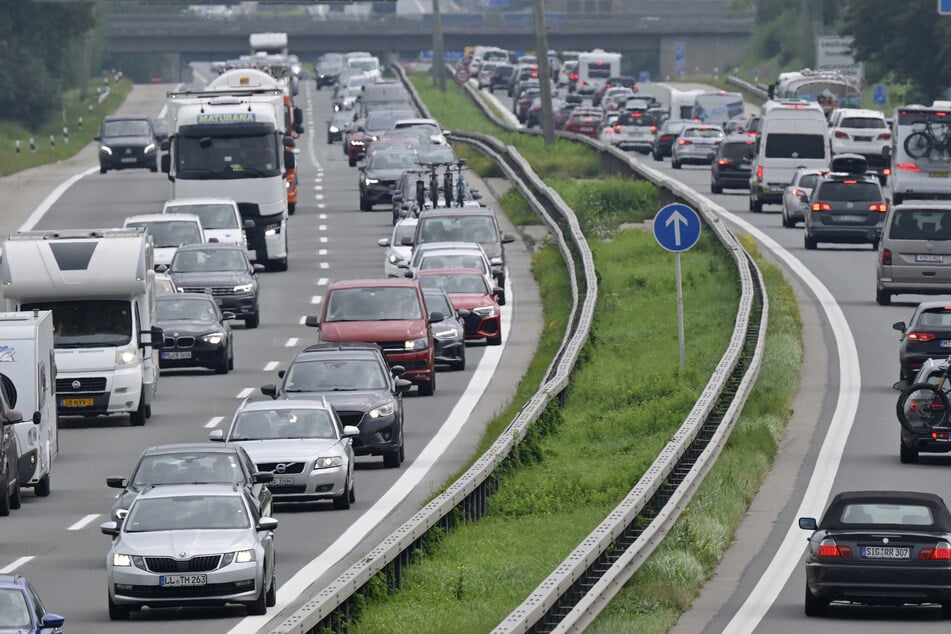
point(847, 205)
point(127, 141)
point(9, 450)
point(732, 164)
point(223, 271)
point(357, 381)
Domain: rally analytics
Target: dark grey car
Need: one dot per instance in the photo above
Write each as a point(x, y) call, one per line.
point(450, 333)
point(127, 141)
point(223, 271)
point(846, 207)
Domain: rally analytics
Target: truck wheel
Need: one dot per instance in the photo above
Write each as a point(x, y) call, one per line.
point(15, 497)
point(391, 459)
point(42, 488)
point(365, 205)
point(137, 418)
point(279, 265)
point(884, 298)
point(494, 341)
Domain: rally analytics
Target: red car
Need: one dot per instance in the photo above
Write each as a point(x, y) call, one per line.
point(473, 296)
point(585, 121)
point(389, 312)
point(353, 145)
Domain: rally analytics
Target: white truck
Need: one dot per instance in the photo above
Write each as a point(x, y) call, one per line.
point(231, 146)
point(28, 378)
point(100, 286)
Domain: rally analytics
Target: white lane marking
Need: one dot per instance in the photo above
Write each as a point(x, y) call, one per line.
point(53, 196)
point(316, 299)
point(246, 392)
point(303, 318)
point(271, 366)
point(323, 239)
point(321, 216)
point(291, 342)
point(323, 281)
point(789, 554)
point(15, 564)
point(321, 227)
point(321, 205)
point(83, 523)
point(319, 196)
point(214, 422)
point(408, 481)
point(324, 265)
point(321, 251)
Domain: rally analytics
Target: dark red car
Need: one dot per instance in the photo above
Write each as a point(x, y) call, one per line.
point(473, 296)
point(585, 121)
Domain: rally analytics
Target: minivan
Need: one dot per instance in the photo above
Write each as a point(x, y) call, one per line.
point(915, 251)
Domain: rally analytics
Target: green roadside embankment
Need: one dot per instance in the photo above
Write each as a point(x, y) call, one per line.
point(628, 397)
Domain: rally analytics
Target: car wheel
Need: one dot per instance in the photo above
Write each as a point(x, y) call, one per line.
point(353, 492)
point(252, 321)
point(897, 199)
point(329, 140)
point(352, 162)
point(756, 206)
point(875, 245)
point(815, 606)
point(883, 297)
point(809, 243)
point(674, 163)
point(342, 501)
point(42, 488)
point(908, 455)
point(946, 610)
point(117, 612)
point(279, 265)
point(270, 599)
point(786, 221)
point(102, 169)
point(391, 459)
point(460, 363)
point(427, 388)
point(222, 367)
point(657, 156)
point(5, 499)
point(365, 205)
point(715, 189)
point(15, 501)
point(137, 418)
point(494, 341)
point(259, 605)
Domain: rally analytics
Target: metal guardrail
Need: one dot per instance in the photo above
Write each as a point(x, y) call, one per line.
point(573, 595)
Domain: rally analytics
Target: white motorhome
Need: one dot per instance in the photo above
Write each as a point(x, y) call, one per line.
point(717, 107)
point(793, 134)
point(100, 286)
point(231, 146)
point(270, 43)
point(682, 102)
point(28, 376)
point(594, 68)
point(921, 154)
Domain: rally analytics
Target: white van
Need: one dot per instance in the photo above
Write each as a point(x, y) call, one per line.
point(168, 231)
point(220, 218)
point(794, 134)
point(594, 68)
point(921, 155)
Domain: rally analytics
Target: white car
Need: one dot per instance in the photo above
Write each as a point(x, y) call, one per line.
point(220, 218)
point(436, 135)
point(168, 231)
point(396, 252)
point(860, 131)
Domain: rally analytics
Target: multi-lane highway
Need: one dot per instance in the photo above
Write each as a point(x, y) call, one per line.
point(56, 541)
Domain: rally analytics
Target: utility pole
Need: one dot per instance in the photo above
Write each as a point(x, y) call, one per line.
point(439, 64)
point(544, 72)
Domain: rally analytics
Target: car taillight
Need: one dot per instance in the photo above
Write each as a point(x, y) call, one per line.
point(572, 75)
point(887, 171)
point(941, 550)
point(666, 137)
point(841, 135)
point(821, 207)
point(798, 193)
point(828, 548)
point(920, 337)
point(617, 128)
point(886, 256)
point(882, 207)
point(724, 162)
point(759, 172)
point(909, 167)
point(684, 142)
point(884, 136)
point(653, 128)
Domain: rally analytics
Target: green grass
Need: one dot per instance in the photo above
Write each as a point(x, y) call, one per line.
point(11, 162)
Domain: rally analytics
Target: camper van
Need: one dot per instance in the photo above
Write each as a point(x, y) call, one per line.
point(594, 68)
point(100, 286)
point(921, 155)
point(28, 379)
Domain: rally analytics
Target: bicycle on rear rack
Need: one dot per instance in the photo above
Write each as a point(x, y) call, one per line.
point(922, 406)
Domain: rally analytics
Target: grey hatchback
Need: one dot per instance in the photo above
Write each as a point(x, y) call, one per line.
point(847, 205)
point(915, 252)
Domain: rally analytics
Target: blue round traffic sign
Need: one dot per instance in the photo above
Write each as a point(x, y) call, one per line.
point(676, 227)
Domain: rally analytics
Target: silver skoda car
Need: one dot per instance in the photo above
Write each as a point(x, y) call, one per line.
point(188, 544)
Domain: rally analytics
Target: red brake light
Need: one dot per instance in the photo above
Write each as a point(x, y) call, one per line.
point(850, 182)
point(759, 172)
point(723, 162)
point(798, 192)
point(636, 114)
point(942, 550)
point(684, 142)
point(666, 137)
point(920, 337)
point(884, 136)
point(841, 135)
point(828, 548)
point(607, 85)
point(882, 207)
point(821, 207)
point(939, 435)
point(886, 256)
point(887, 171)
point(653, 128)
point(941, 114)
point(909, 167)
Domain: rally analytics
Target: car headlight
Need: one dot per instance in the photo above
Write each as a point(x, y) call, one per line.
point(416, 344)
point(484, 311)
point(334, 129)
point(244, 288)
point(395, 259)
point(149, 148)
point(125, 355)
point(355, 142)
point(372, 137)
point(244, 556)
point(446, 333)
point(371, 181)
point(327, 462)
point(214, 338)
point(120, 560)
point(271, 230)
point(387, 409)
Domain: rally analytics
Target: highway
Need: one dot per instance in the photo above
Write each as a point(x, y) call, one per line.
point(56, 541)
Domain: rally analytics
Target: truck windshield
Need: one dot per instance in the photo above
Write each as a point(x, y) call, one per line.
point(88, 323)
point(225, 157)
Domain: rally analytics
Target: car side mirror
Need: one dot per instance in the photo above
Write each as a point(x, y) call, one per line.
point(397, 198)
point(804, 199)
point(267, 524)
point(166, 163)
point(436, 317)
point(887, 152)
point(116, 482)
point(98, 137)
point(398, 370)
point(383, 242)
point(269, 390)
point(507, 238)
point(475, 194)
point(161, 268)
point(109, 528)
point(408, 274)
point(290, 161)
point(350, 431)
point(52, 621)
point(312, 321)
point(403, 386)
point(281, 373)
point(217, 435)
point(362, 166)
point(157, 338)
point(808, 523)
point(247, 223)
point(257, 268)
point(262, 477)
point(499, 294)
point(901, 385)
point(899, 325)
point(225, 316)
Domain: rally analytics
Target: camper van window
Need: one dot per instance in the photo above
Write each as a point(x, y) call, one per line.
point(598, 70)
point(253, 156)
point(88, 324)
point(797, 146)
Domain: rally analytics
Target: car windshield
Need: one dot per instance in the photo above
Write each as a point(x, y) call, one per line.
point(849, 190)
point(283, 423)
point(224, 157)
point(457, 228)
point(212, 215)
point(194, 261)
point(796, 146)
point(437, 302)
point(187, 512)
point(373, 304)
point(914, 224)
point(934, 318)
point(170, 233)
point(14, 612)
point(187, 468)
point(126, 127)
point(881, 513)
point(460, 283)
point(185, 309)
point(329, 375)
point(392, 160)
point(88, 324)
point(452, 261)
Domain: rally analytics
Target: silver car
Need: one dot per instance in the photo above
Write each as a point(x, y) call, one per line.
point(697, 143)
point(302, 443)
point(188, 544)
point(797, 193)
point(396, 252)
point(914, 255)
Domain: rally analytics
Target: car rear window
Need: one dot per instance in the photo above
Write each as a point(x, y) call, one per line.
point(880, 513)
point(638, 119)
point(703, 133)
point(797, 146)
point(737, 151)
point(834, 191)
point(910, 224)
point(935, 318)
point(862, 122)
point(808, 181)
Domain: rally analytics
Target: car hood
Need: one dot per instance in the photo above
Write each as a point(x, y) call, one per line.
point(190, 542)
point(210, 278)
point(373, 331)
point(361, 400)
point(176, 327)
point(470, 300)
point(235, 236)
point(287, 449)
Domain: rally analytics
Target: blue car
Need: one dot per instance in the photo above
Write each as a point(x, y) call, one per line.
point(19, 606)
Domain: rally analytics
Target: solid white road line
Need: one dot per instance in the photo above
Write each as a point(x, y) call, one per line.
point(83, 523)
point(214, 422)
point(15, 564)
point(53, 196)
point(271, 366)
point(246, 392)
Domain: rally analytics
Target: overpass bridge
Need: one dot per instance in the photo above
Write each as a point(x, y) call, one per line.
point(712, 36)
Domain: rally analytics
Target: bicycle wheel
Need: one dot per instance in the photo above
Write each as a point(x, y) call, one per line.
point(922, 406)
point(918, 144)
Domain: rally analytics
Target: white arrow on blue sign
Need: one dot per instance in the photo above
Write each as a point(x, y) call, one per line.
point(677, 227)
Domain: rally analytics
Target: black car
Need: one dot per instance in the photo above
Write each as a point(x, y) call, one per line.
point(127, 141)
point(339, 123)
point(448, 333)
point(223, 271)
point(501, 76)
point(378, 176)
point(732, 165)
point(197, 333)
point(192, 463)
point(927, 335)
point(847, 205)
point(918, 431)
point(665, 136)
point(357, 381)
point(328, 69)
point(879, 548)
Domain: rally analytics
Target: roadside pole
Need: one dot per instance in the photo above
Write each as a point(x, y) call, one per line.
point(439, 64)
point(544, 72)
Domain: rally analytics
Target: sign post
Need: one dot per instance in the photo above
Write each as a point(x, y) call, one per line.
point(676, 229)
